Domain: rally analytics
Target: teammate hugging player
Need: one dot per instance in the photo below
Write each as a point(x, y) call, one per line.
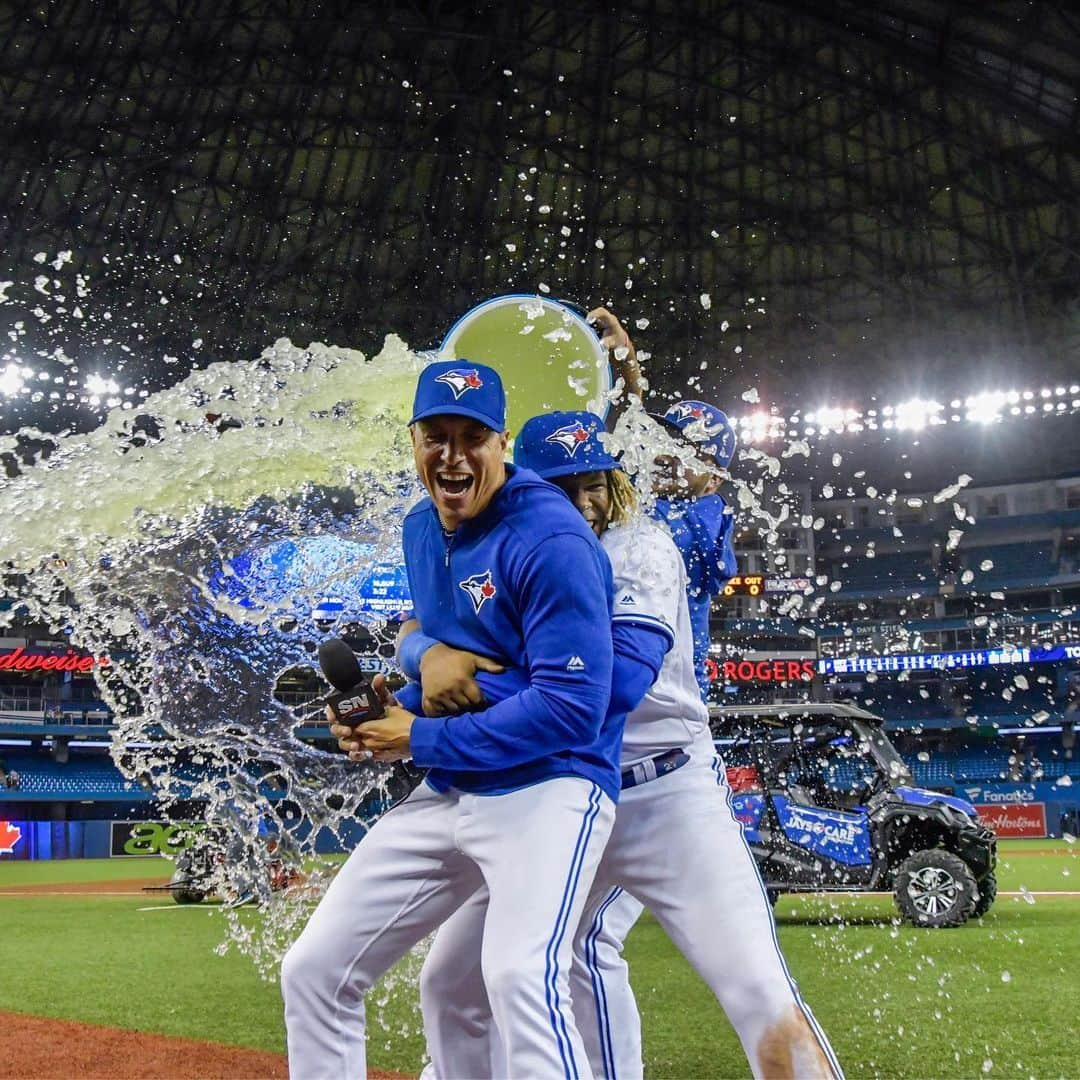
point(520, 795)
point(676, 844)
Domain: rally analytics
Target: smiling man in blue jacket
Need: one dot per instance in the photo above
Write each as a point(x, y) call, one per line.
point(520, 793)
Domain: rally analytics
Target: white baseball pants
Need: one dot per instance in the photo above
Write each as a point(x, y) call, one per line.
point(677, 846)
point(535, 852)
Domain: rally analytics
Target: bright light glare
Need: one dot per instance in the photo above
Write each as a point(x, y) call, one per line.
point(986, 408)
point(915, 414)
point(96, 386)
point(13, 379)
point(833, 418)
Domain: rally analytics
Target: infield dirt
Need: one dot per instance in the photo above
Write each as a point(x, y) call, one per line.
point(38, 1048)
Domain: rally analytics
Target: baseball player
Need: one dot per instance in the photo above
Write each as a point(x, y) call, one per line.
point(520, 794)
point(688, 502)
point(687, 498)
point(676, 844)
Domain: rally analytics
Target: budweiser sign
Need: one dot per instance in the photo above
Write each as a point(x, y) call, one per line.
point(19, 659)
point(1010, 819)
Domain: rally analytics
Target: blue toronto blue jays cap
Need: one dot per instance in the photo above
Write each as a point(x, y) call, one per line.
point(561, 444)
point(705, 426)
point(460, 388)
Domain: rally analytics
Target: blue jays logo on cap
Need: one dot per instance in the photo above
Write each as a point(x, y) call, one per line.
point(570, 438)
point(475, 390)
point(461, 381)
point(479, 588)
point(563, 443)
point(706, 426)
point(686, 412)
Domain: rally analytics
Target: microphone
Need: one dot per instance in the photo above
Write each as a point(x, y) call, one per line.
point(354, 700)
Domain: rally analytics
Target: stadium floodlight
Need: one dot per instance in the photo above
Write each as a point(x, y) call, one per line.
point(916, 414)
point(97, 386)
point(13, 379)
point(986, 408)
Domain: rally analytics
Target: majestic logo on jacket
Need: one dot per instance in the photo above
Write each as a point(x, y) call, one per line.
point(480, 589)
point(569, 437)
point(461, 380)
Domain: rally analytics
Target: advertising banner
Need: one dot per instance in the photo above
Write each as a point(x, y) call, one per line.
point(1041, 791)
point(23, 840)
point(131, 839)
point(970, 658)
point(1014, 819)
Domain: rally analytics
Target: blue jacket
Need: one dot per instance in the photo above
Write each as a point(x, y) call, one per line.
point(703, 534)
point(527, 584)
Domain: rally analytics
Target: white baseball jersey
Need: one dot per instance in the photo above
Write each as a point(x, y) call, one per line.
point(677, 847)
point(650, 589)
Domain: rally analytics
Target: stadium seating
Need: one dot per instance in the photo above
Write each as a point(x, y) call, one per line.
point(886, 573)
point(42, 778)
point(1031, 562)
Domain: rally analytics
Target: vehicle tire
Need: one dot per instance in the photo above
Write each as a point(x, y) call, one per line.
point(987, 895)
point(183, 891)
point(934, 888)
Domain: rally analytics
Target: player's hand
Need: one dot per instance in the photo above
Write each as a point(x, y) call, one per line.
point(613, 334)
point(346, 733)
point(447, 679)
point(386, 739)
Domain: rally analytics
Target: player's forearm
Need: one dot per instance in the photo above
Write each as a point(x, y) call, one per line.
point(411, 645)
point(639, 652)
point(532, 724)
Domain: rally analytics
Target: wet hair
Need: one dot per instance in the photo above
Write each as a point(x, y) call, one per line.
point(624, 500)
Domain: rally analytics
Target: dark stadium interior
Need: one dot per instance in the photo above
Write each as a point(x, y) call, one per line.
point(830, 203)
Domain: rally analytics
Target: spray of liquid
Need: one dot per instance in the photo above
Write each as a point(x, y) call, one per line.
point(128, 540)
point(147, 520)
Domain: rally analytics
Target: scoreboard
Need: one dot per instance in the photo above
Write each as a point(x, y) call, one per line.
point(756, 584)
point(745, 585)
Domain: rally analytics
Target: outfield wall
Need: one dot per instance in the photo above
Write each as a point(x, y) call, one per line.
point(22, 840)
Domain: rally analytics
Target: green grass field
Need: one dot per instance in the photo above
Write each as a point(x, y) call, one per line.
point(895, 1001)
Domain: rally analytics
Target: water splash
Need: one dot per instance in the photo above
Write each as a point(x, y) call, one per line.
point(147, 523)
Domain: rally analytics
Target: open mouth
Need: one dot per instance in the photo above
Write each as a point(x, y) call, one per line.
point(452, 483)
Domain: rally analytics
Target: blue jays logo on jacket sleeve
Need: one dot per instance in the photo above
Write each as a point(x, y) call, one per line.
point(569, 438)
point(461, 380)
point(480, 588)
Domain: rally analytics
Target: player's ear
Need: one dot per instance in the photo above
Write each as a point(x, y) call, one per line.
point(504, 439)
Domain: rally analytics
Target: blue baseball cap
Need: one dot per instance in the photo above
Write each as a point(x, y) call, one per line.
point(705, 426)
point(561, 444)
point(460, 388)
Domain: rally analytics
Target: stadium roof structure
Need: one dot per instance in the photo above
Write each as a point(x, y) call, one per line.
point(803, 195)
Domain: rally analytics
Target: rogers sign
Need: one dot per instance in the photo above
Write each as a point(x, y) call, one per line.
point(760, 670)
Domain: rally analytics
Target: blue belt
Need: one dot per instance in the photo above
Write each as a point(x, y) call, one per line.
point(651, 768)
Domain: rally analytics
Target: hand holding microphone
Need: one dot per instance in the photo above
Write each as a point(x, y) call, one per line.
point(364, 718)
point(355, 700)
